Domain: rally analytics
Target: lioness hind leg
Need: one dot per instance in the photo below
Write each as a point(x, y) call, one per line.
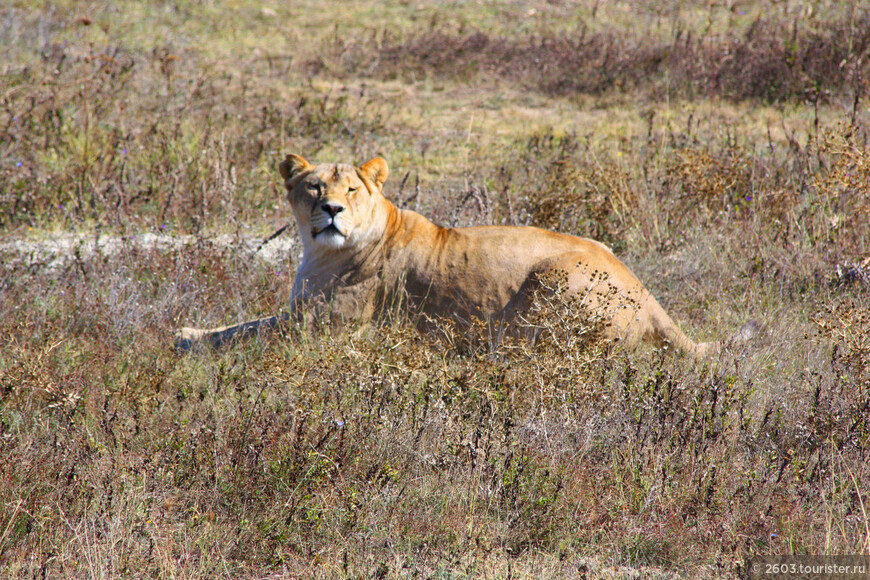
point(609, 291)
point(606, 292)
point(186, 338)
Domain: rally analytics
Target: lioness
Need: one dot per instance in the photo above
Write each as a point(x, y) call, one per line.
point(362, 254)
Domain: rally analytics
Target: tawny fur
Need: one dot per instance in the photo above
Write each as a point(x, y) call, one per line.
point(362, 254)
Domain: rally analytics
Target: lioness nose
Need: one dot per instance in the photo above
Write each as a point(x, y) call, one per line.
point(331, 209)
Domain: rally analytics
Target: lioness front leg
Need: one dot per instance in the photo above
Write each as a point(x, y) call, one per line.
point(187, 337)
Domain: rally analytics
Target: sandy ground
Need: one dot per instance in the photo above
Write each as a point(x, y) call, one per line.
point(58, 250)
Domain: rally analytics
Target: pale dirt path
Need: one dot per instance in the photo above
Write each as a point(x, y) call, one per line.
point(56, 251)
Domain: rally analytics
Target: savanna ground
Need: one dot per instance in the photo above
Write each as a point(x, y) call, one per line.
point(721, 148)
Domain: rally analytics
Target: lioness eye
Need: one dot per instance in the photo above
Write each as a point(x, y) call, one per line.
point(352, 189)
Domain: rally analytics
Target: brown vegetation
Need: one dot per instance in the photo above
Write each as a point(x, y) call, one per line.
point(726, 163)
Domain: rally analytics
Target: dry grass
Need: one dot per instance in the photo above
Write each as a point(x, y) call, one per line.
point(727, 164)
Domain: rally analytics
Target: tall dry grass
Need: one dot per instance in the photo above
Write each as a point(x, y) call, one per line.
point(734, 192)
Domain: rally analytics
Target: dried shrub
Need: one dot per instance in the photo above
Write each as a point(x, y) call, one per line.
point(774, 60)
point(843, 192)
point(563, 185)
point(703, 186)
point(564, 324)
point(781, 60)
point(122, 138)
point(847, 325)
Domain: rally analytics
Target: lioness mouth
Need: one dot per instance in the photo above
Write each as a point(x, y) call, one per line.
point(331, 229)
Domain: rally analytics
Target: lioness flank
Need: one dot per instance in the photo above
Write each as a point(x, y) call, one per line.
point(362, 254)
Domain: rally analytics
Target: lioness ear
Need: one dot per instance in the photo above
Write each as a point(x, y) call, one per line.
point(375, 171)
point(292, 167)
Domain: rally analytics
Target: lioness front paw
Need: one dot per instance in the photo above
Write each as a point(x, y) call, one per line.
point(186, 337)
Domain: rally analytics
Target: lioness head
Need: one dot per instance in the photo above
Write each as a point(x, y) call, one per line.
point(335, 204)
